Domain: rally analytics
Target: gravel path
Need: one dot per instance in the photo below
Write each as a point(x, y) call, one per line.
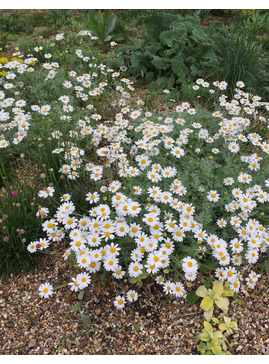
point(155, 324)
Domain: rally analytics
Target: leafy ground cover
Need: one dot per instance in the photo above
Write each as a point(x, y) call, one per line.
point(136, 188)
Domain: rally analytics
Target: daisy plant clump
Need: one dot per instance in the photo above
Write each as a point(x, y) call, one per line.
point(159, 193)
point(170, 193)
point(45, 108)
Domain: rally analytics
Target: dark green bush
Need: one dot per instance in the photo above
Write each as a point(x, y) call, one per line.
point(178, 50)
point(59, 17)
point(16, 22)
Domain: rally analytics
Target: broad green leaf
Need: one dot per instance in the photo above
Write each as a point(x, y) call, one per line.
point(85, 320)
point(162, 82)
point(149, 76)
point(81, 294)
point(201, 291)
point(207, 282)
point(127, 48)
point(201, 348)
point(161, 63)
point(179, 68)
point(173, 36)
point(222, 303)
point(107, 38)
point(111, 24)
point(152, 86)
point(171, 81)
point(207, 266)
point(199, 35)
point(192, 297)
point(144, 275)
point(187, 90)
point(206, 303)
point(194, 71)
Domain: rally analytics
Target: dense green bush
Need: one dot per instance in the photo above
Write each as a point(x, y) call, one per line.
point(59, 17)
point(179, 49)
point(16, 22)
point(176, 52)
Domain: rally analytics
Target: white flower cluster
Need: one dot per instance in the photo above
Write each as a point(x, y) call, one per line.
point(140, 196)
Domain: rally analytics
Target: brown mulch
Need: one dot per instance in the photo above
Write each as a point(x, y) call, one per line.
point(155, 324)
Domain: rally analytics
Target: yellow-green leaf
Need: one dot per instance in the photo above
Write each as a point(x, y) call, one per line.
point(132, 280)
point(222, 303)
point(218, 287)
point(216, 350)
point(208, 314)
point(201, 291)
point(223, 327)
point(204, 336)
point(219, 335)
point(227, 320)
point(228, 292)
point(233, 325)
point(208, 328)
point(206, 303)
point(214, 319)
